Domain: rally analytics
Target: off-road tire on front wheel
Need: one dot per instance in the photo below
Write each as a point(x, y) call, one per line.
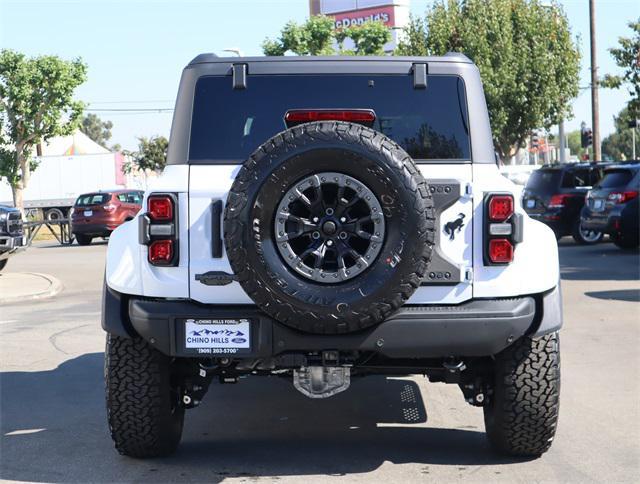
point(522, 415)
point(145, 419)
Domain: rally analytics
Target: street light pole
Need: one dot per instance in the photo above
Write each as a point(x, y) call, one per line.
point(563, 154)
point(595, 118)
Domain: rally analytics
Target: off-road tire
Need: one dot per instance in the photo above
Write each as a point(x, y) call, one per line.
point(83, 239)
point(522, 415)
point(375, 161)
point(144, 417)
point(3, 263)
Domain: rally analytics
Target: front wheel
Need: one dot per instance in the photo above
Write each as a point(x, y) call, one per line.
point(522, 415)
point(585, 236)
point(145, 418)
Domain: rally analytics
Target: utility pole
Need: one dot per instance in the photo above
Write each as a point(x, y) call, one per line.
point(595, 118)
point(563, 144)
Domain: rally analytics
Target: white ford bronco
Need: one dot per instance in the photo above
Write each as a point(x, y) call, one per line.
point(323, 219)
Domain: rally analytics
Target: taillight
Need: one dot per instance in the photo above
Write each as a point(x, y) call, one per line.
point(503, 229)
point(158, 229)
point(298, 116)
point(622, 197)
point(500, 207)
point(160, 208)
point(161, 252)
point(500, 251)
point(558, 201)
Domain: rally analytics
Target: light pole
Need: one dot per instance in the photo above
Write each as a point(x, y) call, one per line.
point(595, 118)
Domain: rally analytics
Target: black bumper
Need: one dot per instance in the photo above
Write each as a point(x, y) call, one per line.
point(92, 229)
point(474, 328)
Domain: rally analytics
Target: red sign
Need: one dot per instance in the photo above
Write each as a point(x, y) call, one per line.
point(358, 17)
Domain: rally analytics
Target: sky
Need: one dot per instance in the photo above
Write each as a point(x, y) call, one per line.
point(136, 49)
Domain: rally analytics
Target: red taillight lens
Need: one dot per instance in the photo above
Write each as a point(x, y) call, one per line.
point(309, 115)
point(622, 197)
point(161, 252)
point(160, 208)
point(558, 201)
point(500, 207)
point(500, 251)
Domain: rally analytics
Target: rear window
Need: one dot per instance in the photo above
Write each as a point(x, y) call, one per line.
point(229, 124)
point(92, 199)
point(544, 180)
point(576, 178)
point(616, 178)
point(133, 197)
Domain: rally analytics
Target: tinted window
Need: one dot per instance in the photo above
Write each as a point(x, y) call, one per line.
point(92, 199)
point(229, 124)
point(576, 178)
point(135, 197)
point(543, 180)
point(616, 178)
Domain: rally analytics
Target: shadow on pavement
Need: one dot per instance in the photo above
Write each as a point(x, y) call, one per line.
point(600, 262)
point(54, 429)
point(632, 295)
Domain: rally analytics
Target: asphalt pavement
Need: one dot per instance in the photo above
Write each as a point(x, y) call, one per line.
point(53, 424)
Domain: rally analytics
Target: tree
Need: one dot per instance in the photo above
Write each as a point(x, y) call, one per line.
point(368, 38)
point(528, 61)
point(619, 145)
point(150, 157)
point(314, 37)
point(36, 104)
point(317, 35)
point(96, 129)
point(627, 56)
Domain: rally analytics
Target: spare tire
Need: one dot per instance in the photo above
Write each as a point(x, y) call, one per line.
point(329, 227)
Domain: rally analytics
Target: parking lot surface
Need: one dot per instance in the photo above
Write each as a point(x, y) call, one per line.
point(53, 421)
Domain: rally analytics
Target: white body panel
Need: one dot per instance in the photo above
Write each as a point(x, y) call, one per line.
point(127, 268)
point(534, 269)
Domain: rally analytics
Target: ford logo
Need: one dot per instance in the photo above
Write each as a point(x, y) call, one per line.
point(238, 340)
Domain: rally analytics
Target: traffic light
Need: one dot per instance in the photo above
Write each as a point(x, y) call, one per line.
point(535, 141)
point(586, 137)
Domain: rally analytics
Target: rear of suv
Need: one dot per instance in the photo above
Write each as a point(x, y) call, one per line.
point(98, 214)
point(322, 219)
point(612, 205)
point(555, 195)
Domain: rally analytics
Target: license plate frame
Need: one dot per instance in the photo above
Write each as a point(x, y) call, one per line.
point(530, 203)
point(598, 204)
point(215, 336)
point(88, 213)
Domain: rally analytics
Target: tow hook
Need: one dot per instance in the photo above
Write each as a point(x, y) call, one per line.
point(475, 393)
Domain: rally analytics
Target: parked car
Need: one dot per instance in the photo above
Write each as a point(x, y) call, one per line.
point(612, 205)
point(555, 195)
point(322, 219)
point(100, 213)
point(11, 233)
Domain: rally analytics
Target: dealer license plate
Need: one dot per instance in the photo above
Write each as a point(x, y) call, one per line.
point(88, 213)
point(531, 203)
point(217, 335)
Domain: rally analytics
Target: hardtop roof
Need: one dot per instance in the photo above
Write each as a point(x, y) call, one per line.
point(450, 57)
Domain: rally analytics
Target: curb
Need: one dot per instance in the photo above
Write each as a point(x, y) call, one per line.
point(55, 287)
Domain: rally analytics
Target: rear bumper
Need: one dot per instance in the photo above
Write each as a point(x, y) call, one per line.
point(475, 328)
point(555, 219)
point(606, 222)
point(93, 229)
